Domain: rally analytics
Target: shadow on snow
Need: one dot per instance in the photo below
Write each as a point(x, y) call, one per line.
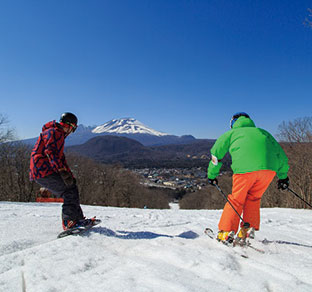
point(140, 234)
point(186, 235)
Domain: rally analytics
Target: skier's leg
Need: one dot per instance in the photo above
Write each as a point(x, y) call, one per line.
point(251, 211)
point(229, 220)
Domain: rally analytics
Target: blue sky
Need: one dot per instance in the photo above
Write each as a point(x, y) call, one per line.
point(181, 67)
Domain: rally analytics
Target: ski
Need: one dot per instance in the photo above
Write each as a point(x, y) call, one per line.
point(245, 244)
point(248, 244)
point(79, 230)
point(210, 233)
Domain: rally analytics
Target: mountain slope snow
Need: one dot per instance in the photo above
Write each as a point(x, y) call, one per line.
point(149, 250)
point(126, 126)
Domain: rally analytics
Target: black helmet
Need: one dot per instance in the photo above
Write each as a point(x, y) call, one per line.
point(236, 116)
point(70, 119)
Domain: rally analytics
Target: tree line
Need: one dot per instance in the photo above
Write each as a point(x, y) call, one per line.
point(98, 184)
point(112, 185)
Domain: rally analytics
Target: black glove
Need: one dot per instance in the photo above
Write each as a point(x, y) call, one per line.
point(212, 181)
point(283, 184)
point(67, 178)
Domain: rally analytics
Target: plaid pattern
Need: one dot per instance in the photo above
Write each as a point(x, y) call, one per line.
point(47, 156)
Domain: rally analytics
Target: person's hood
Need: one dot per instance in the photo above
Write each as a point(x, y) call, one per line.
point(52, 124)
point(243, 122)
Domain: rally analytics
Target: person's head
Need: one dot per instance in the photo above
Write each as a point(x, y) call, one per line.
point(69, 122)
point(236, 116)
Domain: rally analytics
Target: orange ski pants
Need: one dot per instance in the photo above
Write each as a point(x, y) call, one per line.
point(247, 190)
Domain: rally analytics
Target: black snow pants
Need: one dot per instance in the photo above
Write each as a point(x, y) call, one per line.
point(71, 209)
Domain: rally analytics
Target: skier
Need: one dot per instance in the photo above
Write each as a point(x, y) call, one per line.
point(48, 167)
point(256, 158)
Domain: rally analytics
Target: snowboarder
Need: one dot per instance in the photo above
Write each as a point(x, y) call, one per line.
point(256, 158)
point(48, 167)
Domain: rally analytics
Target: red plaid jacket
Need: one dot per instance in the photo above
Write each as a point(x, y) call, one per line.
point(47, 156)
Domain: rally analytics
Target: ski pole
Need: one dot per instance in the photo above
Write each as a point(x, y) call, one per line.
point(290, 190)
point(245, 224)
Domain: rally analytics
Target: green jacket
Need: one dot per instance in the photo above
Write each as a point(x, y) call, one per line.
point(251, 149)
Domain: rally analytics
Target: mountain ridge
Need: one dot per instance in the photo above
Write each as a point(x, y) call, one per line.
point(131, 153)
point(124, 127)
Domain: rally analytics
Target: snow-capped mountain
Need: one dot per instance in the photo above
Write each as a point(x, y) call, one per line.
point(126, 126)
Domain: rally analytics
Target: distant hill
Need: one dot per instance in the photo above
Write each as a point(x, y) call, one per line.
point(131, 153)
point(104, 148)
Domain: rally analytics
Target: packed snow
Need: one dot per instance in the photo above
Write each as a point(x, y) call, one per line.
point(150, 250)
point(126, 126)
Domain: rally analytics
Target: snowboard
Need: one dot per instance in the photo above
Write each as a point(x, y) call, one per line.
point(79, 230)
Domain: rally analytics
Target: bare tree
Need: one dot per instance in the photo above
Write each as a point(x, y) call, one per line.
point(298, 131)
point(208, 197)
point(298, 134)
point(112, 185)
point(98, 184)
point(6, 134)
point(14, 180)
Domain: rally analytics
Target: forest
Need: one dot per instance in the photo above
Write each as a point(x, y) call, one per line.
point(113, 185)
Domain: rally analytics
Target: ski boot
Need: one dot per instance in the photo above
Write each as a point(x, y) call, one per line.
point(68, 224)
point(226, 237)
point(83, 223)
point(244, 235)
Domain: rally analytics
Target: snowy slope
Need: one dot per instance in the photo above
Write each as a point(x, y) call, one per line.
point(126, 126)
point(149, 250)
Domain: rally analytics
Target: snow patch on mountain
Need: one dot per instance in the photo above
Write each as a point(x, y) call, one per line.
point(126, 126)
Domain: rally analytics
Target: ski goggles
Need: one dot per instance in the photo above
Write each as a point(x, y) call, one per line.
point(74, 127)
